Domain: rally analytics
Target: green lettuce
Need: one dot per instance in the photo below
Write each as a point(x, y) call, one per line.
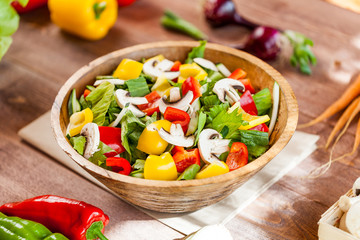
point(100, 100)
point(99, 158)
point(138, 87)
point(78, 144)
point(196, 52)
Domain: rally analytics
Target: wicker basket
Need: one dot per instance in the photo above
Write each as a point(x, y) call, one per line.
point(179, 196)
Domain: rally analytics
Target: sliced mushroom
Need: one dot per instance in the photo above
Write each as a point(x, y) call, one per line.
point(211, 144)
point(193, 112)
point(114, 81)
point(227, 88)
point(176, 136)
point(182, 104)
point(352, 220)
point(123, 97)
point(165, 65)
point(137, 112)
point(356, 187)
point(346, 202)
point(175, 94)
point(206, 64)
point(151, 68)
point(92, 134)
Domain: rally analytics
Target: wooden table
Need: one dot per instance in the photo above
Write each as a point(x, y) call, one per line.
point(42, 57)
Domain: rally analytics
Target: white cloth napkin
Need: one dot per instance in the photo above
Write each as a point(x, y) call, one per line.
point(39, 134)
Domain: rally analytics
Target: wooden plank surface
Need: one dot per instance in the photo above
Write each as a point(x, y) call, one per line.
point(42, 57)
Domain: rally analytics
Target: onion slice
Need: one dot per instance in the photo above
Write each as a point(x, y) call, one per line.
point(276, 101)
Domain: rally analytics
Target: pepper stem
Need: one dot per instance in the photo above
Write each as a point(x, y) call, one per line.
point(99, 7)
point(94, 231)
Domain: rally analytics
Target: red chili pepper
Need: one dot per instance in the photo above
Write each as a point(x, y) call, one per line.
point(86, 92)
point(123, 3)
point(111, 136)
point(238, 156)
point(191, 84)
point(152, 106)
point(119, 165)
point(176, 66)
point(75, 219)
point(32, 4)
point(184, 158)
point(247, 103)
point(177, 116)
point(261, 127)
point(238, 74)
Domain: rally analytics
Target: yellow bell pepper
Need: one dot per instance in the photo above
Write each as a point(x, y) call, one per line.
point(162, 86)
point(128, 69)
point(251, 119)
point(78, 121)
point(150, 141)
point(89, 19)
point(191, 70)
point(160, 167)
point(214, 169)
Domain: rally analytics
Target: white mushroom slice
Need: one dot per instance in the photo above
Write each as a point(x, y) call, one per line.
point(356, 187)
point(165, 65)
point(346, 202)
point(211, 144)
point(206, 64)
point(92, 134)
point(137, 112)
point(227, 88)
point(150, 68)
point(352, 220)
point(176, 136)
point(123, 97)
point(114, 81)
point(175, 94)
point(193, 112)
point(182, 104)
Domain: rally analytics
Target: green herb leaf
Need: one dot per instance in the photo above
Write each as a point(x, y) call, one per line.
point(138, 87)
point(173, 22)
point(196, 52)
point(78, 144)
point(99, 158)
point(100, 100)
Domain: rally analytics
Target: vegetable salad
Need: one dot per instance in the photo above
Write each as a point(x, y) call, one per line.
point(164, 119)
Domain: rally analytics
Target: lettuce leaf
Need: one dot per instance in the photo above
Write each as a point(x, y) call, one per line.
point(263, 101)
point(138, 87)
point(131, 129)
point(196, 52)
point(100, 100)
point(78, 144)
point(99, 158)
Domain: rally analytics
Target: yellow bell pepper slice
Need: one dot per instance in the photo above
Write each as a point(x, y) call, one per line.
point(128, 69)
point(162, 86)
point(160, 167)
point(214, 169)
point(150, 141)
point(191, 70)
point(79, 120)
point(251, 119)
point(89, 19)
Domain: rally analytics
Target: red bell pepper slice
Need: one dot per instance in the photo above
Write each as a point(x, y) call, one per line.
point(177, 116)
point(191, 84)
point(32, 5)
point(247, 103)
point(124, 3)
point(176, 66)
point(238, 156)
point(86, 92)
point(184, 158)
point(111, 136)
point(247, 84)
point(119, 165)
point(152, 106)
point(261, 127)
point(238, 74)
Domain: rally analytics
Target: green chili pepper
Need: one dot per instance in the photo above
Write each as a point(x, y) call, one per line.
point(14, 228)
point(189, 172)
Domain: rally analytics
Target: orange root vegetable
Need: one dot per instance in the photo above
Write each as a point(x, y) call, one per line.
point(351, 92)
point(342, 121)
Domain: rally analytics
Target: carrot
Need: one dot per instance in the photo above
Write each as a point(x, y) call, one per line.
point(343, 119)
point(351, 92)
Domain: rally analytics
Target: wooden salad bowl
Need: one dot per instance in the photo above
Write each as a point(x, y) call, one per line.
point(190, 195)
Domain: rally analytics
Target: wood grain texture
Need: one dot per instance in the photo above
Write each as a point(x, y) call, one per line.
point(42, 58)
point(179, 196)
